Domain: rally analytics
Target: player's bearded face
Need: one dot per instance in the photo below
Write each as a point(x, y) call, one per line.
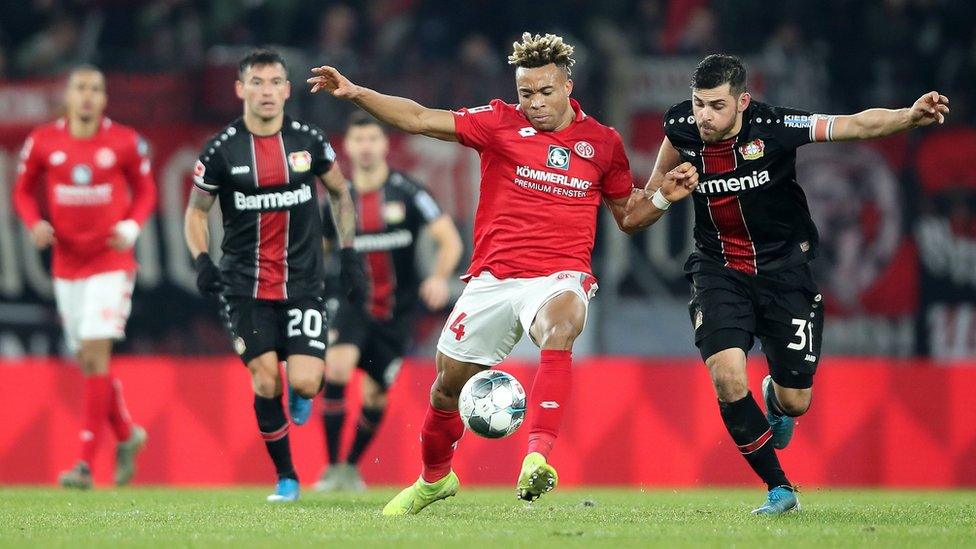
point(85, 97)
point(264, 89)
point(366, 146)
point(544, 96)
point(718, 112)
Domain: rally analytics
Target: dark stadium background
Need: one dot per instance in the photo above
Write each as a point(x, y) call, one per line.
point(898, 266)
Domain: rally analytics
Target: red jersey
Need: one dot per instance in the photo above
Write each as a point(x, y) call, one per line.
point(89, 185)
point(540, 191)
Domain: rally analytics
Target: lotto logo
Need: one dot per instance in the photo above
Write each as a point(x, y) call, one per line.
point(558, 157)
point(549, 404)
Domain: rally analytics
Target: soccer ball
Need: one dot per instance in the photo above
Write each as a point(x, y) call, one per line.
point(492, 404)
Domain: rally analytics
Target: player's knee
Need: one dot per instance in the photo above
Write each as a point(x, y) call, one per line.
point(730, 381)
point(374, 400)
point(559, 335)
point(794, 404)
point(306, 385)
point(264, 385)
point(794, 409)
point(91, 361)
point(338, 373)
point(442, 396)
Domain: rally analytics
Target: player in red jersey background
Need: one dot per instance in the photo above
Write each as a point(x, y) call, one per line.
point(85, 187)
point(545, 168)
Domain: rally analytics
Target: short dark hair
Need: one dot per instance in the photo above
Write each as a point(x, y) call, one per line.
point(718, 69)
point(359, 119)
point(262, 56)
point(84, 67)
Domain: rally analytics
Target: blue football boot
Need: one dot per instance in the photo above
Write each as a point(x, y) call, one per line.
point(781, 499)
point(781, 425)
point(299, 408)
point(287, 489)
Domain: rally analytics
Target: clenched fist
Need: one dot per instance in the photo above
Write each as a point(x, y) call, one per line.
point(679, 182)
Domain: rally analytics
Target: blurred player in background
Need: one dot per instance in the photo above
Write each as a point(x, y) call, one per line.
point(96, 179)
point(754, 237)
point(264, 167)
point(545, 167)
point(392, 210)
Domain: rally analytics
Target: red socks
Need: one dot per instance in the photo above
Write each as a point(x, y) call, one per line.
point(103, 400)
point(548, 399)
point(438, 438)
point(98, 399)
point(550, 394)
point(118, 414)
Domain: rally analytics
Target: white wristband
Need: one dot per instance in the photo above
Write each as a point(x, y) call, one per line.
point(128, 231)
point(659, 201)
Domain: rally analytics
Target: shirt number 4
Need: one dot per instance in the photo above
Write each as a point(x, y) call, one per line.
point(457, 327)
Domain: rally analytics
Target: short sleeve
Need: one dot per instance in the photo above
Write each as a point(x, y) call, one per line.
point(139, 161)
point(475, 126)
point(210, 169)
point(30, 159)
point(679, 125)
point(324, 156)
point(138, 171)
point(794, 127)
point(618, 180)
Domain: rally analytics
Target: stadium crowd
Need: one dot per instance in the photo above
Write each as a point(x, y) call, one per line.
point(836, 55)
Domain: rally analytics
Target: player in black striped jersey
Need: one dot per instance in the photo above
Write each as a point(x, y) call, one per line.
point(754, 237)
point(392, 211)
point(265, 168)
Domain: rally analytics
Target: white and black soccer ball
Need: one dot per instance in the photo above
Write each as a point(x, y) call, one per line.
point(492, 404)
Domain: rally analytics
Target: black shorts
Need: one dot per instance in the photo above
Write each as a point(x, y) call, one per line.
point(381, 343)
point(784, 310)
point(291, 327)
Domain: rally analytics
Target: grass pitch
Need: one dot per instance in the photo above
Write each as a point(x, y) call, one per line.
point(483, 518)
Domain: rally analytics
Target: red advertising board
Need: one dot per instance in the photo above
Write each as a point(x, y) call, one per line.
point(632, 422)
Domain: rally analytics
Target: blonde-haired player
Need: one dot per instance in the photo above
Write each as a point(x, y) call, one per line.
point(545, 168)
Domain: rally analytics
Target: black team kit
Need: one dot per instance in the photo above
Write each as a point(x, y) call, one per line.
point(389, 222)
point(272, 250)
point(750, 274)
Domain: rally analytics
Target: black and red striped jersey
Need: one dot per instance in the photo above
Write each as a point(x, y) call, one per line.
point(389, 222)
point(267, 187)
point(750, 213)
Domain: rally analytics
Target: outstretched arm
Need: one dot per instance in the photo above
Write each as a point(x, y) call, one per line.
point(399, 112)
point(931, 108)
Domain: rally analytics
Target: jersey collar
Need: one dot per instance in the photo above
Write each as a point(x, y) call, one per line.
point(103, 124)
point(580, 115)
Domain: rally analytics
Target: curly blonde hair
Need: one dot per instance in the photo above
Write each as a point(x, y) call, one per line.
point(536, 50)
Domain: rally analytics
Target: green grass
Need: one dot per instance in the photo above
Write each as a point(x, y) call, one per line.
point(483, 518)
